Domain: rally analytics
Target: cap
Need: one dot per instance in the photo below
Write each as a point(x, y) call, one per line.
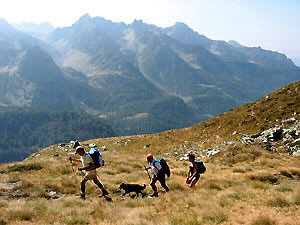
point(149, 156)
point(79, 148)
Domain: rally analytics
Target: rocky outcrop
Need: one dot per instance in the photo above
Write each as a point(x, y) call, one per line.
point(285, 136)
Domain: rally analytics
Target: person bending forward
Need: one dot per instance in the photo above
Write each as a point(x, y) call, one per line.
point(90, 173)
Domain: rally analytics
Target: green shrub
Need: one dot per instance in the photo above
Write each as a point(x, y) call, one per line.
point(75, 219)
point(182, 173)
point(224, 202)
point(22, 168)
point(229, 122)
point(213, 185)
point(175, 186)
point(294, 144)
point(124, 169)
point(260, 185)
point(285, 173)
point(108, 172)
point(295, 172)
point(3, 222)
point(296, 197)
point(216, 217)
point(176, 220)
point(263, 220)
point(278, 202)
point(22, 215)
point(234, 195)
point(241, 157)
point(264, 177)
point(239, 170)
point(284, 188)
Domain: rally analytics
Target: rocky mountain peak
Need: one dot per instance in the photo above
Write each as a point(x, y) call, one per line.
point(181, 25)
point(85, 17)
point(5, 26)
point(234, 43)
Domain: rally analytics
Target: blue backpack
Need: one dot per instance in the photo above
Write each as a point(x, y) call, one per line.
point(97, 158)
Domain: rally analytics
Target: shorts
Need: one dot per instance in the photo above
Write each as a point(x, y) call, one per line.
point(90, 175)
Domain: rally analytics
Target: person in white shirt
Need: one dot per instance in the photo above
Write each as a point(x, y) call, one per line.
point(90, 174)
point(158, 175)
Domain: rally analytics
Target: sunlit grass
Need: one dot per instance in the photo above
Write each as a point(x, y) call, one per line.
point(232, 185)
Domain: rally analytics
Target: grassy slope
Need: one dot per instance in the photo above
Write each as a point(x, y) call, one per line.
point(242, 185)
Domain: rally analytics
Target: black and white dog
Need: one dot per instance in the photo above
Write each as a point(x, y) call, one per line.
point(132, 188)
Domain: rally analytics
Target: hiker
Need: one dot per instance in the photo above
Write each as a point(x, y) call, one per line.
point(90, 174)
point(158, 175)
point(194, 172)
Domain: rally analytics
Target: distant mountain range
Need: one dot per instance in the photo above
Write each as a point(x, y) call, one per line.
point(37, 30)
point(139, 77)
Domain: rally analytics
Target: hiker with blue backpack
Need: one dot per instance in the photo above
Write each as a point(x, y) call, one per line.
point(196, 168)
point(90, 162)
point(159, 172)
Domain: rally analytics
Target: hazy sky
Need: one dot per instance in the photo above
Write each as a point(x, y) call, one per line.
point(271, 24)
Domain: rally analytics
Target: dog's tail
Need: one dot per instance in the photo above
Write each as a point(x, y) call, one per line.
point(144, 186)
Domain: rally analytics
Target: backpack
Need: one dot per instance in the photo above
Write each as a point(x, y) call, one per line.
point(165, 166)
point(97, 157)
point(201, 167)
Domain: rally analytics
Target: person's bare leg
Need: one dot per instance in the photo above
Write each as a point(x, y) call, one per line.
point(194, 181)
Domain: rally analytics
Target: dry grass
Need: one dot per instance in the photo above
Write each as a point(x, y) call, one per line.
point(226, 194)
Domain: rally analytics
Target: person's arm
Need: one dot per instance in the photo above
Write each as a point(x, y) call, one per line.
point(189, 174)
point(160, 171)
point(75, 160)
point(89, 167)
point(195, 171)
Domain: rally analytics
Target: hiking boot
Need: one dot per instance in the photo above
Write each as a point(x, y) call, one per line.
point(155, 194)
point(104, 193)
point(82, 197)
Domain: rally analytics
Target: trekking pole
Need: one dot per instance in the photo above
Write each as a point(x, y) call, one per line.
point(72, 166)
point(148, 173)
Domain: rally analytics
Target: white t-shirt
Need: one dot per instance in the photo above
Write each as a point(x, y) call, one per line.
point(86, 159)
point(155, 168)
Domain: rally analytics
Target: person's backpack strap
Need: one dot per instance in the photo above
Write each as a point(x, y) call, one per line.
point(165, 166)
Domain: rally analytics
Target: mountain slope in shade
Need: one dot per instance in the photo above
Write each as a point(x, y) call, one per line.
point(25, 131)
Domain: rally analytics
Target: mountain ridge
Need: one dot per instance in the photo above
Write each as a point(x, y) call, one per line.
point(120, 70)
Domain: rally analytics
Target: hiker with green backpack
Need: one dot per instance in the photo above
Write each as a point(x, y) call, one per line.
point(196, 168)
point(159, 172)
point(89, 165)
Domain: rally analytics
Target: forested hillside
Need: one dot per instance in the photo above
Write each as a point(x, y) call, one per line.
point(24, 131)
